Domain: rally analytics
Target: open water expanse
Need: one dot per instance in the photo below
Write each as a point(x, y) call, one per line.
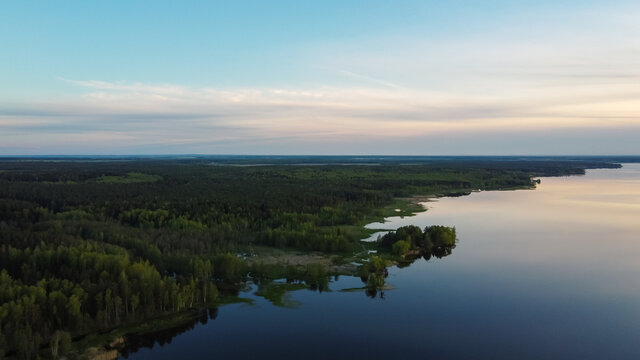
point(550, 273)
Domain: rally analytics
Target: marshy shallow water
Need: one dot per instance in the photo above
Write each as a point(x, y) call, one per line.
point(546, 273)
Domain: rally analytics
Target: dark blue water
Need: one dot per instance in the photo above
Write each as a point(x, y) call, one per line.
point(551, 273)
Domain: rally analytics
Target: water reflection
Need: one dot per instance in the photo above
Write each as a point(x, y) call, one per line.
point(134, 342)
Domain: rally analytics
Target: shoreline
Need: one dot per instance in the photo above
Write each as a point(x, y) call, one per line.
point(108, 345)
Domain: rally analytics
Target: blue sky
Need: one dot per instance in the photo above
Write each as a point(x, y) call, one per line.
point(311, 77)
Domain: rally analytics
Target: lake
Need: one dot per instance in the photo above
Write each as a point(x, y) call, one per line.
point(547, 273)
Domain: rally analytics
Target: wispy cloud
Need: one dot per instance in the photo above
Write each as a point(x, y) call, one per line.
point(128, 87)
point(135, 113)
point(369, 79)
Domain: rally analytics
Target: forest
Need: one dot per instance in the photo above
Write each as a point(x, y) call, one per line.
point(92, 244)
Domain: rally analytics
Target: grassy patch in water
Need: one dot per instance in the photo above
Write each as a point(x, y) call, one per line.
point(278, 293)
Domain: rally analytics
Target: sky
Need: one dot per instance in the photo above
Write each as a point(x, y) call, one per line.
point(492, 77)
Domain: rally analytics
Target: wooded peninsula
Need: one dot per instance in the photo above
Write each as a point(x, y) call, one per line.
point(96, 246)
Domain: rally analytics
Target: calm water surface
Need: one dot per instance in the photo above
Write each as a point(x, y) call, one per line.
point(546, 273)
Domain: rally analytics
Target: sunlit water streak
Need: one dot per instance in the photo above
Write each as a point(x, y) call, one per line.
point(546, 273)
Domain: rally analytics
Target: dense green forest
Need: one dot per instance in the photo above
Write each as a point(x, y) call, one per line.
point(87, 245)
